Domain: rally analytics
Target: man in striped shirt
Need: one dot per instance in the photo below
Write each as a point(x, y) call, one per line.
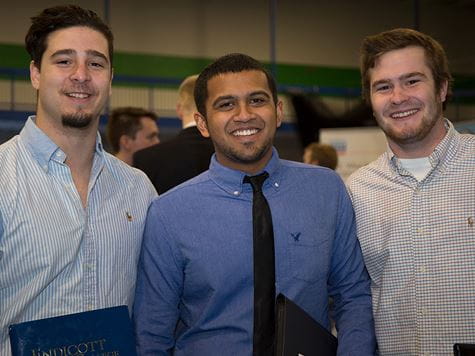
point(415, 205)
point(71, 215)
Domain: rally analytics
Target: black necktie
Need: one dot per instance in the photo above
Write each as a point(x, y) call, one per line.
point(264, 269)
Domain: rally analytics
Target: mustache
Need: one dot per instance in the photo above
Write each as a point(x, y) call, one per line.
point(80, 88)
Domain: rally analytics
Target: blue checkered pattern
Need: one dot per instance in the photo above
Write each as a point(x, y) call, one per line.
point(418, 242)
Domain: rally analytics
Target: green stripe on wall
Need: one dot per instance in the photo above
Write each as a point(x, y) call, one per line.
point(174, 67)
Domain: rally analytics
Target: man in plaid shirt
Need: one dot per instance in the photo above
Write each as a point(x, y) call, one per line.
point(415, 205)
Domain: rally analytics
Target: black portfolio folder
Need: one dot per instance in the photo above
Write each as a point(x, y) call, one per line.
point(464, 349)
point(299, 334)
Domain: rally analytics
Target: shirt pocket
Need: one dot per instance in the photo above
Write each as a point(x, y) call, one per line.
point(309, 255)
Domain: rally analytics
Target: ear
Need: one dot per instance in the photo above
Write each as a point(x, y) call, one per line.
point(279, 113)
point(202, 125)
point(179, 110)
point(34, 75)
point(124, 143)
point(443, 91)
point(110, 83)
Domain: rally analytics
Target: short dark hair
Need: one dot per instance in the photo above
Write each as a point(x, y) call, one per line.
point(230, 63)
point(375, 46)
point(326, 155)
point(125, 121)
point(60, 17)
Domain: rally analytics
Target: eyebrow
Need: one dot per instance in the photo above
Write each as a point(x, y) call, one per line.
point(89, 52)
point(254, 93)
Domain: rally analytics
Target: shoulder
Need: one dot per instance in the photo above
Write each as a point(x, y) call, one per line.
point(12, 156)
point(193, 187)
point(309, 174)
point(9, 148)
point(467, 145)
point(10, 153)
point(125, 174)
point(181, 196)
point(371, 171)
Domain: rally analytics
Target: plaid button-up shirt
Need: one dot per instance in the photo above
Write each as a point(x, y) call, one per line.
point(418, 242)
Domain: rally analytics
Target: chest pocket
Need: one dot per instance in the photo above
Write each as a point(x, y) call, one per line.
point(309, 254)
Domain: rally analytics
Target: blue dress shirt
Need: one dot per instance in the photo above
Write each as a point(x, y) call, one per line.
point(55, 256)
point(194, 291)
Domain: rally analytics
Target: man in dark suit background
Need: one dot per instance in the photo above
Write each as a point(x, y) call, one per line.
point(183, 157)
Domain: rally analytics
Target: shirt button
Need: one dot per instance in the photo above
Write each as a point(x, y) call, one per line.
point(276, 185)
point(423, 269)
point(236, 193)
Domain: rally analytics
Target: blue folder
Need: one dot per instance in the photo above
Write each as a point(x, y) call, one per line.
point(99, 332)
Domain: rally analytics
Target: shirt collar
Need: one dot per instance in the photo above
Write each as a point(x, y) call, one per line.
point(439, 155)
point(231, 180)
point(43, 148)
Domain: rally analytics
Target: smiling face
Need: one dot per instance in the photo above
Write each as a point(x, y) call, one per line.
point(75, 78)
point(241, 119)
point(405, 102)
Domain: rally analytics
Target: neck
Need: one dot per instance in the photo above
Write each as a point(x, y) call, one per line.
point(77, 144)
point(124, 156)
point(188, 120)
point(250, 169)
point(79, 147)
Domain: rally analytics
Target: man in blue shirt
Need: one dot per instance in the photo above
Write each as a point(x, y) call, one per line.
point(195, 288)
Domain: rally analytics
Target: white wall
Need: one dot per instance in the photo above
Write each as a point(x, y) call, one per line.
point(317, 32)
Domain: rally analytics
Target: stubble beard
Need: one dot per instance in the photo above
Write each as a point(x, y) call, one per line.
point(250, 154)
point(415, 134)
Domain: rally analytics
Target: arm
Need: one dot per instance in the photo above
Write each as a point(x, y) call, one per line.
point(159, 285)
point(350, 286)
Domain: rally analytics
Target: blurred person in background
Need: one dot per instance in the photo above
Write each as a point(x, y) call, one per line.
point(131, 129)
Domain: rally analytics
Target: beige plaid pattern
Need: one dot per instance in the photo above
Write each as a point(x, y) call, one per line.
point(418, 242)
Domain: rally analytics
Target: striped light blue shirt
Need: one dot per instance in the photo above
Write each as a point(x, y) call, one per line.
point(55, 256)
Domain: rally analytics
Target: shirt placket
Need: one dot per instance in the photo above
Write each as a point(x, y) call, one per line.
point(90, 267)
point(90, 252)
point(422, 252)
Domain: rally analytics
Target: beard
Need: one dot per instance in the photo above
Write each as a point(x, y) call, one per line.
point(251, 154)
point(77, 120)
point(414, 134)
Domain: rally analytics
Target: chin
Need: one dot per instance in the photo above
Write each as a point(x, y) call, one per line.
point(77, 120)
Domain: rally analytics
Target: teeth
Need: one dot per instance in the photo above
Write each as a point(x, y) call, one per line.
point(247, 132)
point(79, 95)
point(404, 113)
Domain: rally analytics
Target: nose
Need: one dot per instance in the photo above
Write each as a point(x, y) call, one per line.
point(80, 73)
point(243, 112)
point(398, 95)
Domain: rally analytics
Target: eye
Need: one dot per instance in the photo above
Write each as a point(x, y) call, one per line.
point(258, 101)
point(97, 64)
point(382, 88)
point(413, 81)
point(225, 105)
point(63, 62)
